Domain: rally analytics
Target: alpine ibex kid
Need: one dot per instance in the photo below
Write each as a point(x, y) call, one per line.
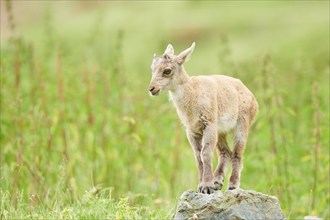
point(209, 107)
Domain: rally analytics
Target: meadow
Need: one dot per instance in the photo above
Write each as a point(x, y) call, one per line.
point(82, 139)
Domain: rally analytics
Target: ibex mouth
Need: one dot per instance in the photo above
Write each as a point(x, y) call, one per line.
point(155, 92)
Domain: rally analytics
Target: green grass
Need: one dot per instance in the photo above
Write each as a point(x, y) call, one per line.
point(82, 139)
point(93, 205)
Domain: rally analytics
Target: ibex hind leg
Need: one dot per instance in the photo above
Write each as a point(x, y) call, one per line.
point(240, 139)
point(224, 158)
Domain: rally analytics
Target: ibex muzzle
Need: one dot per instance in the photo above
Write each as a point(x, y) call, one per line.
point(154, 90)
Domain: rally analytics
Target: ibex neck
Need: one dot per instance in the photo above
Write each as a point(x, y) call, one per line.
point(184, 76)
point(182, 88)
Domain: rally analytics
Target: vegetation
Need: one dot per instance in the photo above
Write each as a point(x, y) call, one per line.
point(82, 139)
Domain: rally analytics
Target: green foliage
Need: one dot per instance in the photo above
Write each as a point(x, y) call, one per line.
point(94, 205)
point(76, 114)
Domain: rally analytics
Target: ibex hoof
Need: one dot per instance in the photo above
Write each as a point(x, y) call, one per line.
point(207, 188)
point(218, 185)
point(232, 187)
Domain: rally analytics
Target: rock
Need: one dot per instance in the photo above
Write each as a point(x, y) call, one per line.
point(231, 204)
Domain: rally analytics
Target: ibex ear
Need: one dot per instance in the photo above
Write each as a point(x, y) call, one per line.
point(169, 50)
point(185, 55)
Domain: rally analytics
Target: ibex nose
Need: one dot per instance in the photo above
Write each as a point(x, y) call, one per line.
point(151, 88)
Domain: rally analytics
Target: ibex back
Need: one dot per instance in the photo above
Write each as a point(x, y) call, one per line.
point(209, 107)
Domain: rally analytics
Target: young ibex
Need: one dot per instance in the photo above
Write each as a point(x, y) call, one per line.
point(209, 107)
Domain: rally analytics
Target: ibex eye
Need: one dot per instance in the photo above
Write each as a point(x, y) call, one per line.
point(167, 71)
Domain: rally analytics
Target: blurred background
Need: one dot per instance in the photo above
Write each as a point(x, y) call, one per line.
point(79, 130)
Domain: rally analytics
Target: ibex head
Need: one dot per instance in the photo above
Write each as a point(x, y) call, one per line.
point(167, 70)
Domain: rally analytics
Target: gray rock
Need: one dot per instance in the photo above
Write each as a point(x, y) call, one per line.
point(231, 204)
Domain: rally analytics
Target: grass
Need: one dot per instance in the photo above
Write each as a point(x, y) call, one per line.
point(94, 204)
point(82, 139)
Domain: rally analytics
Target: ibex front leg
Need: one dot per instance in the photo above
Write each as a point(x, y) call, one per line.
point(209, 140)
point(195, 142)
